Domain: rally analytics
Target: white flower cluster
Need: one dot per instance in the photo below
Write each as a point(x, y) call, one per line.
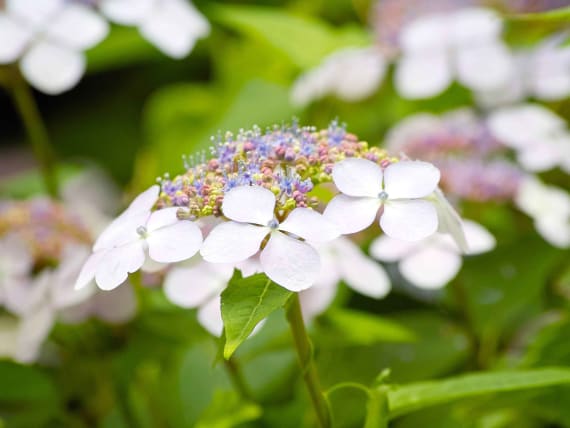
point(300, 250)
point(464, 44)
point(48, 38)
point(32, 302)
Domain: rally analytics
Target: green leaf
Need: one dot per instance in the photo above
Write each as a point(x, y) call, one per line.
point(527, 29)
point(345, 409)
point(228, 410)
point(304, 40)
point(362, 328)
point(245, 302)
point(412, 397)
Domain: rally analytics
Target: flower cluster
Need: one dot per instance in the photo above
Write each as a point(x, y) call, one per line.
point(435, 43)
point(43, 245)
point(260, 186)
point(48, 37)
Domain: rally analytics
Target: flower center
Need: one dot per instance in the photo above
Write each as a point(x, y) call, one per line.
point(141, 230)
point(273, 224)
point(383, 196)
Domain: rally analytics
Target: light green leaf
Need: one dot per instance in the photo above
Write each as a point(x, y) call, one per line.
point(528, 29)
point(361, 328)
point(245, 302)
point(409, 398)
point(304, 40)
point(228, 410)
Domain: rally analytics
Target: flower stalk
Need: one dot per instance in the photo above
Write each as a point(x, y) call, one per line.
point(305, 355)
point(36, 130)
point(237, 379)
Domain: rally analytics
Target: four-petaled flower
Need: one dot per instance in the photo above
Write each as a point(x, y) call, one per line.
point(121, 247)
point(49, 37)
point(399, 190)
point(432, 262)
point(286, 257)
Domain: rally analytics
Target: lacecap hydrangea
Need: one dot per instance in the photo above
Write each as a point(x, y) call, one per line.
point(257, 196)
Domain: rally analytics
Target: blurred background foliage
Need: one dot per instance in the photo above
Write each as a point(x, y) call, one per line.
point(136, 112)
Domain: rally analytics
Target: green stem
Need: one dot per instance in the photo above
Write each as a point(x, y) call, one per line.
point(236, 376)
point(306, 361)
point(36, 130)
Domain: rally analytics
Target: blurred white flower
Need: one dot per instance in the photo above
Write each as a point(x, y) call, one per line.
point(15, 264)
point(434, 261)
point(48, 38)
point(121, 248)
point(549, 207)
point(285, 258)
point(342, 260)
point(464, 44)
point(399, 189)
point(173, 26)
point(350, 74)
point(38, 301)
point(199, 284)
point(542, 72)
point(539, 137)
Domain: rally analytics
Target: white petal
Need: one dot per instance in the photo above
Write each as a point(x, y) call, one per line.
point(249, 204)
point(540, 201)
point(449, 221)
point(315, 300)
point(124, 228)
point(431, 267)
point(479, 239)
point(190, 287)
point(541, 156)
point(174, 243)
point(117, 306)
point(554, 230)
point(232, 242)
point(410, 179)
point(358, 177)
point(291, 263)
point(13, 39)
point(249, 266)
point(360, 72)
point(35, 12)
point(310, 225)
point(34, 329)
point(425, 33)
point(144, 202)
point(350, 214)
point(51, 68)
point(77, 27)
point(550, 75)
point(210, 316)
point(127, 12)
point(116, 264)
point(485, 67)
point(174, 26)
point(423, 75)
point(472, 25)
point(360, 272)
point(87, 273)
point(390, 250)
point(409, 220)
point(523, 125)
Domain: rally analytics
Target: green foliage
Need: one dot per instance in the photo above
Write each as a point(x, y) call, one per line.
point(305, 41)
point(409, 398)
point(531, 28)
point(228, 410)
point(245, 303)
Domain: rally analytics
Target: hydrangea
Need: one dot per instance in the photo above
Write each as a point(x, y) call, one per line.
point(262, 188)
point(43, 245)
point(434, 261)
point(48, 38)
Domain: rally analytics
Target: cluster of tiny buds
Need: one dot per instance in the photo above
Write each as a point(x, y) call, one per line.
point(288, 160)
point(45, 227)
